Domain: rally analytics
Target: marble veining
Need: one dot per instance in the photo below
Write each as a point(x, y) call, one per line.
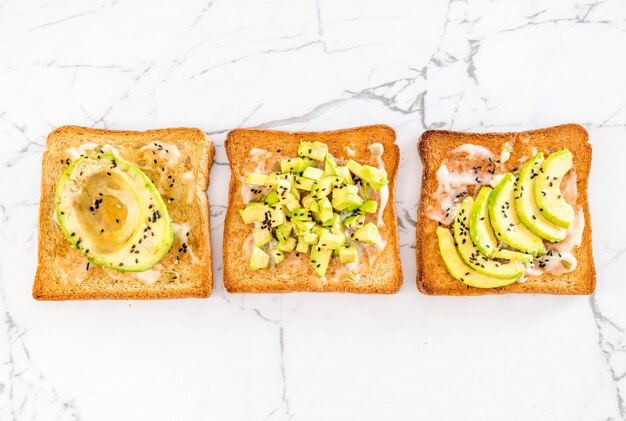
point(315, 65)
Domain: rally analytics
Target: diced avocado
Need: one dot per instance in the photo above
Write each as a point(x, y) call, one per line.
point(307, 201)
point(259, 259)
point(344, 172)
point(314, 207)
point(301, 214)
point(303, 183)
point(303, 246)
point(302, 227)
point(262, 236)
point(369, 206)
point(325, 211)
point(526, 205)
point(310, 238)
point(277, 255)
point(480, 226)
point(368, 233)
point(288, 245)
point(330, 165)
point(255, 179)
point(332, 221)
point(313, 150)
point(319, 259)
point(513, 255)
point(548, 188)
point(253, 212)
point(330, 241)
point(505, 222)
point(471, 255)
point(347, 255)
point(459, 270)
point(354, 221)
point(277, 216)
point(291, 165)
point(375, 177)
point(346, 201)
point(272, 180)
point(291, 205)
point(112, 213)
point(283, 187)
point(313, 173)
point(355, 168)
point(294, 190)
point(272, 198)
point(322, 187)
point(320, 230)
point(283, 231)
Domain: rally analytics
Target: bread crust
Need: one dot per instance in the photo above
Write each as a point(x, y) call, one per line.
point(51, 281)
point(385, 275)
point(432, 276)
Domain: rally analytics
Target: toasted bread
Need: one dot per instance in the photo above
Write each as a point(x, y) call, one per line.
point(63, 272)
point(384, 274)
point(434, 145)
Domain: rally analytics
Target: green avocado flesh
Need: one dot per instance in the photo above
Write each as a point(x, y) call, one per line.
point(548, 188)
point(513, 255)
point(526, 205)
point(459, 270)
point(113, 214)
point(470, 254)
point(480, 227)
point(505, 221)
point(316, 206)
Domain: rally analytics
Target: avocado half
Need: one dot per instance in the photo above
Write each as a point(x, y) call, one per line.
point(113, 214)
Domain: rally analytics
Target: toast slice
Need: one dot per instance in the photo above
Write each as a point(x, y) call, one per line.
point(384, 274)
point(435, 145)
point(63, 272)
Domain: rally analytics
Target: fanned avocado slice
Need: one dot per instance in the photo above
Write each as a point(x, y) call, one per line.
point(470, 253)
point(513, 255)
point(526, 205)
point(112, 213)
point(505, 221)
point(480, 227)
point(459, 270)
point(548, 188)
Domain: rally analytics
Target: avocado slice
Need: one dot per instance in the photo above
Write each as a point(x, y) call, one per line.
point(459, 270)
point(548, 188)
point(480, 226)
point(513, 255)
point(526, 205)
point(505, 222)
point(112, 213)
point(471, 255)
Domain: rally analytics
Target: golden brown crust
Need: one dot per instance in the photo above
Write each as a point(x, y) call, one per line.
point(385, 275)
point(433, 146)
point(55, 252)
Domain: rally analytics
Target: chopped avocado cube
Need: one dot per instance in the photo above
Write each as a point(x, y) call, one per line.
point(253, 212)
point(319, 260)
point(302, 227)
point(367, 234)
point(272, 198)
point(330, 165)
point(303, 183)
point(313, 150)
point(369, 206)
point(272, 180)
point(346, 201)
point(459, 270)
point(277, 216)
point(277, 255)
point(288, 245)
point(255, 179)
point(307, 201)
point(283, 187)
point(375, 177)
point(301, 214)
point(259, 259)
point(355, 168)
point(320, 230)
point(470, 254)
point(262, 236)
point(322, 187)
point(332, 221)
point(325, 209)
point(330, 241)
point(302, 246)
point(548, 189)
point(314, 207)
point(313, 173)
point(513, 255)
point(526, 205)
point(344, 173)
point(505, 222)
point(310, 238)
point(480, 226)
point(291, 165)
point(283, 231)
point(354, 221)
point(347, 255)
point(291, 205)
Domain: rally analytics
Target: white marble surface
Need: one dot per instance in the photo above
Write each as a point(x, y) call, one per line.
point(312, 65)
